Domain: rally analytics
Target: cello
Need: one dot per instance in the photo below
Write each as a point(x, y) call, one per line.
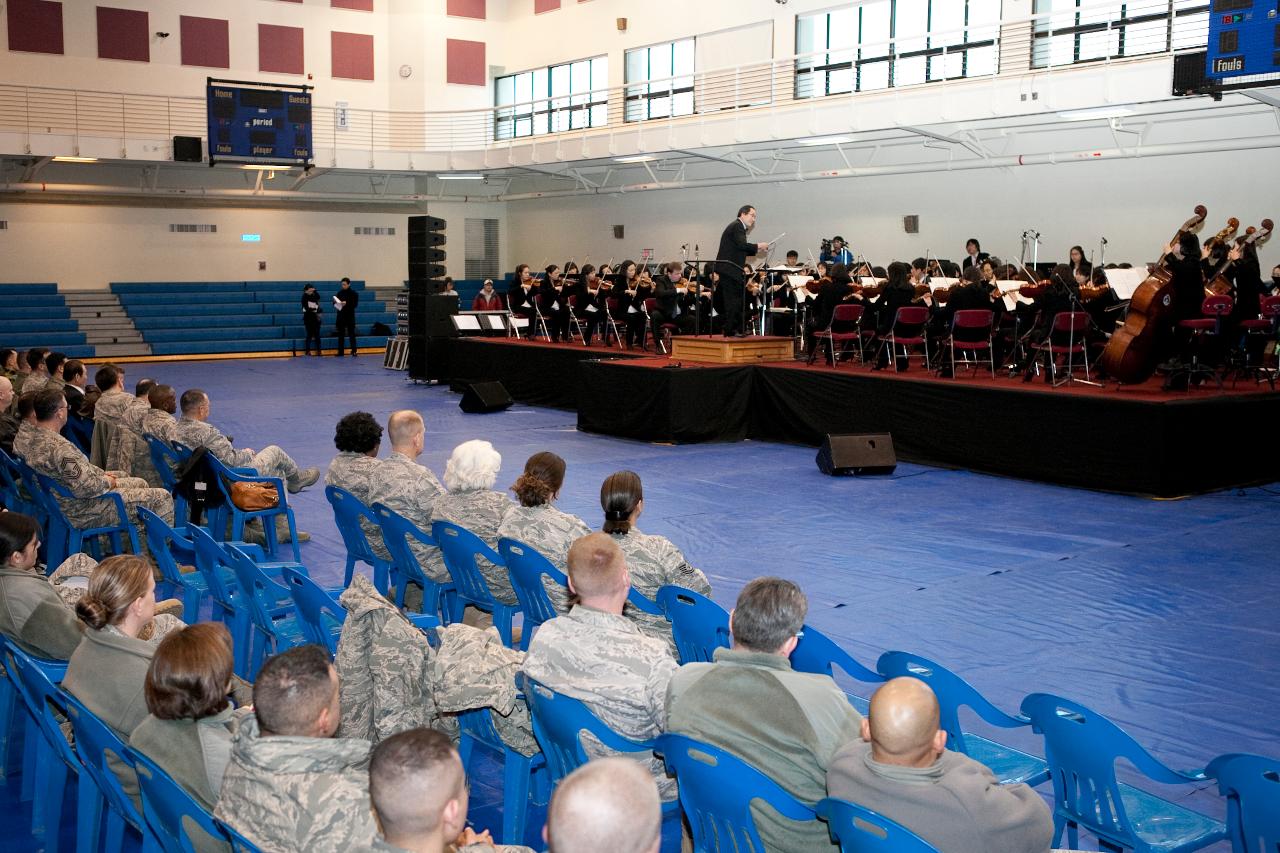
point(1130, 355)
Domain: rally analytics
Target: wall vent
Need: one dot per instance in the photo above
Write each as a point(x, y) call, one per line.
point(4, 225)
point(480, 249)
point(379, 231)
point(202, 228)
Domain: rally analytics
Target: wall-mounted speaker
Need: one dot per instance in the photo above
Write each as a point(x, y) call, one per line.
point(911, 223)
point(618, 231)
point(187, 149)
point(622, 25)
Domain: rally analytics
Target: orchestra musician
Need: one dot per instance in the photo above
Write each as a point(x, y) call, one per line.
point(666, 294)
point(554, 304)
point(973, 254)
point(487, 299)
point(836, 289)
point(1055, 299)
point(632, 292)
point(730, 257)
point(710, 314)
point(898, 293)
point(1076, 260)
point(520, 293)
point(590, 296)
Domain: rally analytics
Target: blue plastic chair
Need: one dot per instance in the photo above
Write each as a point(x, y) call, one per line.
point(225, 477)
point(320, 615)
point(13, 493)
point(95, 741)
point(1082, 748)
point(953, 692)
point(167, 808)
point(214, 565)
point(396, 533)
point(166, 546)
point(1251, 784)
point(52, 758)
point(460, 548)
point(859, 830)
point(817, 653)
point(716, 791)
point(76, 536)
point(348, 511)
point(698, 625)
point(276, 625)
point(527, 566)
point(166, 460)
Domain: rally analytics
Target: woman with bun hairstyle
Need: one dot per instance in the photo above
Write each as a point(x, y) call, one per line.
point(538, 523)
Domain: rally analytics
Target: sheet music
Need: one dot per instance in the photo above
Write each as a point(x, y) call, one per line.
point(466, 322)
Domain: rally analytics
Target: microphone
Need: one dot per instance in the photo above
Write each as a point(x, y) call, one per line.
point(1104, 241)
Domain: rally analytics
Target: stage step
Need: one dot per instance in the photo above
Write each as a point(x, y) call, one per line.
point(718, 350)
point(105, 324)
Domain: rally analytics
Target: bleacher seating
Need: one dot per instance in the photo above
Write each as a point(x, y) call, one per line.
point(37, 315)
point(196, 317)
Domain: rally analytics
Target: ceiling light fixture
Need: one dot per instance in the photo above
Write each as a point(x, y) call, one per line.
point(461, 176)
point(824, 140)
point(262, 167)
point(75, 159)
point(635, 158)
point(1095, 112)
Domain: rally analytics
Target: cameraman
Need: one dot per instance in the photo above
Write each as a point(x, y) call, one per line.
point(836, 252)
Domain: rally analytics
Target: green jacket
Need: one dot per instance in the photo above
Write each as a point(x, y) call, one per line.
point(34, 617)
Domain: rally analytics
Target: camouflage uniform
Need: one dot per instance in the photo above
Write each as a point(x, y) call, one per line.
point(22, 438)
point(603, 660)
point(287, 794)
point(654, 562)
point(358, 474)
point(382, 664)
point(163, 426)
point(481, 511)
point(35, 382)
point(551, 532)
point(127, 442)
point(50, 454)
point(107, 413)
point(381, 845)
point(472, 669)
point(411, 490)
point(269, 462)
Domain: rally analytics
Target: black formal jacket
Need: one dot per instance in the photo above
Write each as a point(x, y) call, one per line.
point(831, 294)
point(350, 299)
point(968, 261)
point(1188, 286)
point(734, 250)
point(890, 301)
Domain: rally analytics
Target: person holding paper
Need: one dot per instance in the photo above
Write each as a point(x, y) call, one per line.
point(345, 302)
point(311, 318)
point(732, 254)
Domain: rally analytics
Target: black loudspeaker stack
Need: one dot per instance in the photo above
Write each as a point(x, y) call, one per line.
point(187, 149)
point(429, 323)
point(870, 453)
point(483, 397)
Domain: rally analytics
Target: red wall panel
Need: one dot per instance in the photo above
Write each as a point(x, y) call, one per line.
point(280, 49)
point(466, 9)
point(123, 34)
point(464, 62)
point(35, 26)
point(545, 6)
point(352, 55)
point(359, 5)
point(205, 42)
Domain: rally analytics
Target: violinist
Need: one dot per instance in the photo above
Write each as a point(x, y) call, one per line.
point(1272, 288)
point(709, 305)
point(666, 307)
point(1055, 299)
point(520, 293)
point(899, 292)
point(835, 290)
point(591, 303)
point(632, 293)
point(1100, 300)
point(554, 304)
point(687, 295)
point(487, 299)
point(1076, 260)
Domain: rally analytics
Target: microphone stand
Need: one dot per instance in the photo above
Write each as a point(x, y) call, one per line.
point(1076, 306)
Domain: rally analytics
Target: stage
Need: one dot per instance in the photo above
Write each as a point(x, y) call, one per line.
point(1131, 439)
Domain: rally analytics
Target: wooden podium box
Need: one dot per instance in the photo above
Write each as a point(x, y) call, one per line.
point(715, 349)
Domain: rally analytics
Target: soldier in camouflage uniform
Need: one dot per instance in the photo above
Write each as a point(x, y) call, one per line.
point(538, 524)
point(291, 785)
point(471, 503)
point(127, 443)
point(50, 454)
point(473, 669)
point(654, 562)
point(194, 431)
point(598, 656)
point(409, 488)
point(38, 376)
point(356, 467)
point(107, 412)
point(157, 421)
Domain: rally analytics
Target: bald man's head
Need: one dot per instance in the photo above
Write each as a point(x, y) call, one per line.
point(903, 723)
point(404, 426)
point(597, 567)
point(417, 786)
point(608, 804)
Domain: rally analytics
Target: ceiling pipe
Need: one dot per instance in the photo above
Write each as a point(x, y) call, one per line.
point(52, 189)
point(1166, 150)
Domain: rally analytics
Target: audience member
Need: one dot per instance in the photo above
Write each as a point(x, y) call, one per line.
point(9, 363)
point(74, 378)
point(107, 412)
point(37, 373)
point(79, 428)
point(194, 430)
point(290, 784)
point(48, 453)
point(537, 523)
point(157, 421)
point(609, 804)
point(356, 467)
point(127, 443)
point(786, 724)
point(902, 769)
point(419, 792)
point(32, 614)
point(471, 503)
point(25, 411)
point(191, 722)
point(596, 655)
point(653, 561)
point(8, 415)
point(54, 363)
point(409, 488)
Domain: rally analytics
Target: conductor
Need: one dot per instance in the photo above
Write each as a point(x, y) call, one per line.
point(733, 253)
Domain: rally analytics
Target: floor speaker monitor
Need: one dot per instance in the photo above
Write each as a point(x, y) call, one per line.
point(483, 397)
point(867, 453)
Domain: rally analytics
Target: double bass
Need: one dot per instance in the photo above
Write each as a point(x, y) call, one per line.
point(1219, 284)
point(1130, 355)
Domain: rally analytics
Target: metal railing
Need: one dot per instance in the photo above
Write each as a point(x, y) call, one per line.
point(1099, 33)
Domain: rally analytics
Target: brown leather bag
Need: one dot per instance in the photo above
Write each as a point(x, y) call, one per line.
point(254, 496)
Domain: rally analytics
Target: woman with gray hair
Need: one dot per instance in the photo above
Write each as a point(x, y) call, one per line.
point(472, 503)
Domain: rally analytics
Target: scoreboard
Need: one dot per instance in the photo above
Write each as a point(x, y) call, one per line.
point(1244, 38)
point(259, 123)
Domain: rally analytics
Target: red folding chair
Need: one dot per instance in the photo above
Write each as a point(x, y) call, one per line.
point(908, 331)
point(1209, 325)
point(849, 317)
point(1264, 326)
point(1067, 336)
point(972, 332)
point(611, 321)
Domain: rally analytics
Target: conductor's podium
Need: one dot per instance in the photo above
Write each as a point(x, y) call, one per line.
point(714, 349)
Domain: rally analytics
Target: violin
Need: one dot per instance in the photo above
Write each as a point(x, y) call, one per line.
point(1129, 355)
